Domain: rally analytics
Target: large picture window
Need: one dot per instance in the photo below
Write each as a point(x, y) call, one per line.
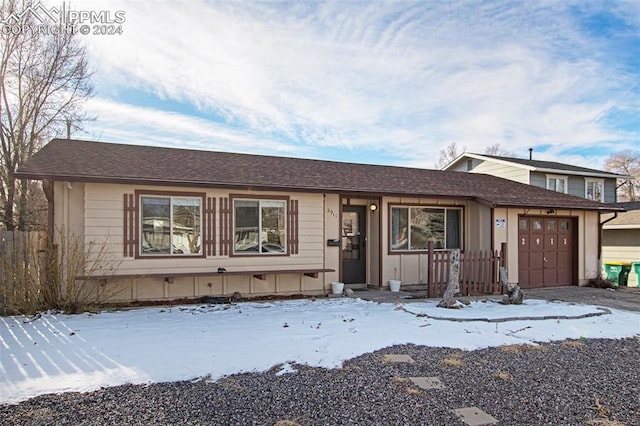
point(170, 225)
point(413, 227)
point(259, 226)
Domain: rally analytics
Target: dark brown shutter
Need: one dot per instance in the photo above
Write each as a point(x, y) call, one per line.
point(292, 226)
point(209, 238)
point(130, 231)
point(225, 227)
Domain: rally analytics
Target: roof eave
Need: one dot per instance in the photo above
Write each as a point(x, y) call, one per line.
point(579, 173)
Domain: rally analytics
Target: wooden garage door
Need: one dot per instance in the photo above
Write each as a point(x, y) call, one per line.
point(546, 249)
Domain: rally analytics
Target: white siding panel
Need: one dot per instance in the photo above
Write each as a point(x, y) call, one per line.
point(504, 171)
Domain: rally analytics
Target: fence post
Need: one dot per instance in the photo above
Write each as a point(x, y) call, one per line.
point(497, 285)
point(429, 269)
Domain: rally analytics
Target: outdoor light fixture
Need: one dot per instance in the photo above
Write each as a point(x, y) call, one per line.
point(373, 207)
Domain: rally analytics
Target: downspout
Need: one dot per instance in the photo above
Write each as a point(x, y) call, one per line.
point(600, 230)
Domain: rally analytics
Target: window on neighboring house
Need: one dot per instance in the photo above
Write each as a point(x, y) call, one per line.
point(170, 225)
point(259, 226)
point(412, 227)
point(557, 183)
point(594, 189)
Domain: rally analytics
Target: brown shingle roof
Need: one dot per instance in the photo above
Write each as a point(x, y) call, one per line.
point(75, 160)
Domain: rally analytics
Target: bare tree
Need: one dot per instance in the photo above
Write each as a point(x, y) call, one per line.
point(448, 154)
point(496, 149)
point(44, 80)
point(626, 163)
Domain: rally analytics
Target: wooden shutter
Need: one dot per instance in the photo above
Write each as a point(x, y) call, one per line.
point(292, 226)
point(130, 231)
point(209, 237)
point(225, 227)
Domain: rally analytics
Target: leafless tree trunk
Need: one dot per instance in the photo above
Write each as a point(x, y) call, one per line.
point(513, 294)
point(44, 80)
point(453, 286)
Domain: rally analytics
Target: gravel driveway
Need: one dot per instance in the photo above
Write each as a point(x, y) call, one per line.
point(566, 383)
point(589, 381)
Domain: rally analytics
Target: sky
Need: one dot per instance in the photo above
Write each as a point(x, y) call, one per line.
point(55, 353)
point(382, 82)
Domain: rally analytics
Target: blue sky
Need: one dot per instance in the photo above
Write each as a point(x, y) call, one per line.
point(389, 82)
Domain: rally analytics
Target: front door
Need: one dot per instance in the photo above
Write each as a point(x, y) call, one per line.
point(354, 244)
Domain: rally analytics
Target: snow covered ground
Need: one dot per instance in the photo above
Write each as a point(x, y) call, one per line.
point(61, 353)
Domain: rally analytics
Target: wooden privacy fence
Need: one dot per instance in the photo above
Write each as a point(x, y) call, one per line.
point(479, 271)
point(21, 255)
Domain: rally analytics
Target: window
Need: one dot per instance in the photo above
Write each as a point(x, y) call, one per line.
point(259, 226)
point(413, 227)
point(170, 225)
point(557, 183)
point(593, 189)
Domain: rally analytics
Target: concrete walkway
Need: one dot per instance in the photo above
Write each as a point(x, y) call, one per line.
point(627, 298)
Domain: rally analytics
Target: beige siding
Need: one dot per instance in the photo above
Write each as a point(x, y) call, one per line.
point(504, 171)
point(95, 213)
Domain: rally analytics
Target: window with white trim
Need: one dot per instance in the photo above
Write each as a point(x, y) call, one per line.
point(557, 183)
point(594, 189)
point(170, 225)
point(412, 227)
point(259, 226)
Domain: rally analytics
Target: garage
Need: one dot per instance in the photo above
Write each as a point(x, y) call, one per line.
point(546, 251)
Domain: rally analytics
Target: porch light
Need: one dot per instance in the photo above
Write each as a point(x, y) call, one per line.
point(373, 207)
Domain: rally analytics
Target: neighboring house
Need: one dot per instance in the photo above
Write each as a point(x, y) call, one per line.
point(169, 218)
point(592, 184)
point(621, 238)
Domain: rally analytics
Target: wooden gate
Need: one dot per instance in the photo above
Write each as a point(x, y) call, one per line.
point(479, 271)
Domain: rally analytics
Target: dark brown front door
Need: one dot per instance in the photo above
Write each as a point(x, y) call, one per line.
point(546, 251)
point(354, 244)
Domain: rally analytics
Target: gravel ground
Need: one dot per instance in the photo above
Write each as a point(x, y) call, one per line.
point(581, 382)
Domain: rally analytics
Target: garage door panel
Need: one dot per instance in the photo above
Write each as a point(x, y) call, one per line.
point(536, 260)
point(550, 277)
point(565, 276)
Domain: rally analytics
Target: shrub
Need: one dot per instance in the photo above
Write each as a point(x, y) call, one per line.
point(40, 276)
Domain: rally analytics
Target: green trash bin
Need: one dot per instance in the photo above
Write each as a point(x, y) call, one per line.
point(613, 270)
point(623, 279)
point(636, 269)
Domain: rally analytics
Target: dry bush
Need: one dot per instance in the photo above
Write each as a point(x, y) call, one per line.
point(453, 360)
point(574, 344)
point(603, 415)
point(414, 391)
point(503, 375)
point(516, 349)
point(400, 380)
point(605, 422)
point(44, 276)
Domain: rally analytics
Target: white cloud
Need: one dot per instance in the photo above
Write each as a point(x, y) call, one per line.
point(401, 77)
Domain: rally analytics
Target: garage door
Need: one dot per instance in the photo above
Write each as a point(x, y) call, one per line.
point(546, 250)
